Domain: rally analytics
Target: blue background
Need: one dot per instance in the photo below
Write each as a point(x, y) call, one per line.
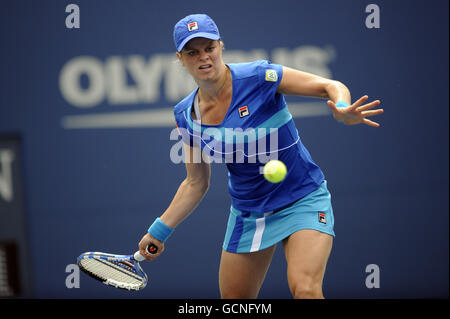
point(99, 189)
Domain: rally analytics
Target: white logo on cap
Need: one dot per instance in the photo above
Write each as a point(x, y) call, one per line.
point(192, 26)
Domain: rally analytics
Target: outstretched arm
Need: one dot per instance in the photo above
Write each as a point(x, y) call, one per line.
point(189, 194)
point(295, 82)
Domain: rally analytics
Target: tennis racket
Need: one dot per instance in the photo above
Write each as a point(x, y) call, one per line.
point(120, 271)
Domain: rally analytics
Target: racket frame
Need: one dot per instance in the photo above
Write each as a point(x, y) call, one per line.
point(130, 261)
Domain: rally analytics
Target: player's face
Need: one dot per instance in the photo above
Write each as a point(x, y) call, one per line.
point(202, 58)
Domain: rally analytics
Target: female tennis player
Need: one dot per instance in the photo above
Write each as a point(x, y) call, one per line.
point(240, 98)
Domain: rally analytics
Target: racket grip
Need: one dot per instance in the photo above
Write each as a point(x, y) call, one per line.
point(152, 249)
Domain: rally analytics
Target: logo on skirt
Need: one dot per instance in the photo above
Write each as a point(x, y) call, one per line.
point(322, 218)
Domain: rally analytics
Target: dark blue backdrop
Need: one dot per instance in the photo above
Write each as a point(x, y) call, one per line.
point(98, 188)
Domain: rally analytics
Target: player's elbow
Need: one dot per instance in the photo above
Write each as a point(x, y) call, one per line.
point(199, 184)
point(204, 186)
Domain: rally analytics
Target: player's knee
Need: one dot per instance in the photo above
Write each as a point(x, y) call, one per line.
point(306, 288)
point(238, 294)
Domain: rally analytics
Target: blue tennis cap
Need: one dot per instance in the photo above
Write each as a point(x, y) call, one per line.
point(194, 26)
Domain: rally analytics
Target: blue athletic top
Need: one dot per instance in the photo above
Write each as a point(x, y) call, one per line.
point(257, 127)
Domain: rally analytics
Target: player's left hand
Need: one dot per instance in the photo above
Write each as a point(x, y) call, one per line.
point(356, 113)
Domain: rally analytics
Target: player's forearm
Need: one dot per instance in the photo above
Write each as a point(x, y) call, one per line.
point(188, 196)
point(295, 82)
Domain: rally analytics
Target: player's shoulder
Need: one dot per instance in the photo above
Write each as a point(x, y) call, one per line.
point(247, 69)
point(185, 103)
point(252, 69)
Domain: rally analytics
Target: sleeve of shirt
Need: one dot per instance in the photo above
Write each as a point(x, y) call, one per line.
point(269, 76)
point(183, 131)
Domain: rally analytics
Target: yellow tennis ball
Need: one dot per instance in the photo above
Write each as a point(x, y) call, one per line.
point(275, 171)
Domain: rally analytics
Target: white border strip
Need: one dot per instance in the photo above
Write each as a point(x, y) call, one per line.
point(163, 117)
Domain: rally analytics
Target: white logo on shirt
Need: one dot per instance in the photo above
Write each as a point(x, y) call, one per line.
point(243, 111)
point(271, 75)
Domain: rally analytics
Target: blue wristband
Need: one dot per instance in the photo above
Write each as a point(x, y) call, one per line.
point(342, 104)
point(159, 230)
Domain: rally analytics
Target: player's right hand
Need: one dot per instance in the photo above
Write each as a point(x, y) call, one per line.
point(146, 241)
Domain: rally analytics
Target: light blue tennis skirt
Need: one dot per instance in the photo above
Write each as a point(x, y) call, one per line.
point(249, 232)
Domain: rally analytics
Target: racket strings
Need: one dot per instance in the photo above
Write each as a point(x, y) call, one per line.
point(111, 273)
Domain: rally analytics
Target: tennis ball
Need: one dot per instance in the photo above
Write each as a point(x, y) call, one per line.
point(275, 171)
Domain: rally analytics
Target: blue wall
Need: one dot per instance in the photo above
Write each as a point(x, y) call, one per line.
point(98, 188)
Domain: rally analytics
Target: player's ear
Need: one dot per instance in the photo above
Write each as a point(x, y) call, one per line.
point(222, 44)
point(179, 58)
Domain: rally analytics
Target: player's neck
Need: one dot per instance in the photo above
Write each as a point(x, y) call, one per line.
point(210, 91)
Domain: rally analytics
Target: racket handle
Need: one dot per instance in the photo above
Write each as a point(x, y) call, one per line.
point(151, 249)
